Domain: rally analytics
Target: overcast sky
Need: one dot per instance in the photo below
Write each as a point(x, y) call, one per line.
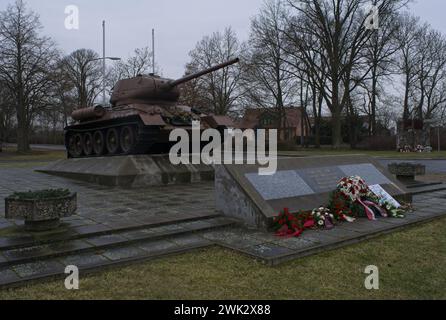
point(179, 24)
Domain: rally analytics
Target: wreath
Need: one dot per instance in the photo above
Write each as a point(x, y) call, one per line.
point(351, 199)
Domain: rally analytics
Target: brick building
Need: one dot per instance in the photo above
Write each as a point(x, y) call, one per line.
point(267, 118)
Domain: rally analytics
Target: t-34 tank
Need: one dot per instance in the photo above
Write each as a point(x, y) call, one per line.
point(144, 111)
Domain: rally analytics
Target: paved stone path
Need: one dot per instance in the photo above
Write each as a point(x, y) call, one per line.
point(114, 207)
point(116, 227)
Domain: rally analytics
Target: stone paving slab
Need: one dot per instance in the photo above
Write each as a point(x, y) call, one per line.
point(94, 261)
point(116, 254)
point(111, 241)
point(104, 208)
point(39, 268)
point(19, 238)
point(84, 260)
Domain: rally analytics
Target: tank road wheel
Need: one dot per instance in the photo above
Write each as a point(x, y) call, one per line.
point(98, 143)
point(75, 145)
point(112, 141)
point(88, 144)
point(127, 139)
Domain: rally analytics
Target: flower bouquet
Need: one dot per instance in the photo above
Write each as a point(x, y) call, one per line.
point(351, 199)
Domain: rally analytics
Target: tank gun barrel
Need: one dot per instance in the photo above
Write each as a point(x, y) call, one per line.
point(203, 72)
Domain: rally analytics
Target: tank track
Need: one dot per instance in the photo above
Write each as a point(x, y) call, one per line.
point(145, 137)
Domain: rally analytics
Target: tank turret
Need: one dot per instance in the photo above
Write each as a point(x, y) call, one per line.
point(144, 111)
point(154, 89)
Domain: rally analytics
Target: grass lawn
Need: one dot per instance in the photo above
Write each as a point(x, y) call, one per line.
point(412, 265)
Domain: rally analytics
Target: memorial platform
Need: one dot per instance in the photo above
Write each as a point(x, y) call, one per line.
point(299, 184)
point(132, 171)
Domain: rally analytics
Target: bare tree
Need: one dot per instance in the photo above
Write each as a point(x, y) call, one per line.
point(26, 61)
point(138, 63)
point(65, 95)
point(336, 31)
point(83, 69)
point(268, 79)
point(7, 113)
point(191, 93)
point(431, 74)
point(408, 35)
point(380, 55)
point(422, 64)
point(220, 90)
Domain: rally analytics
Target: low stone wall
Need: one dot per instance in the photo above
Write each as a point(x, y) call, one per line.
point(240, 205)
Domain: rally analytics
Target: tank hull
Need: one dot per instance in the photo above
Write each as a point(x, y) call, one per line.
point(134, 130)
point(110, 138)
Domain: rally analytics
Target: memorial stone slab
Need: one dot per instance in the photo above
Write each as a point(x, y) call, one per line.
point(321, 179)
point(282, 184)
point(299, 184)
point(368, 171)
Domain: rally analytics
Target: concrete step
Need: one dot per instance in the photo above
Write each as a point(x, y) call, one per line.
point(427, 188)
point(23, 239)
point(107, 257)
point(101, 242)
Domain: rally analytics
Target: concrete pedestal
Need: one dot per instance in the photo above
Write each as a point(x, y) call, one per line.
point(133, 171)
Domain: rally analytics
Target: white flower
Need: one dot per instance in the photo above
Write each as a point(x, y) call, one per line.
point(320, 222)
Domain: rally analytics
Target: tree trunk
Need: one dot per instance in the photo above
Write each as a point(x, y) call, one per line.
point(336, 128)
point(406, 102)
point(302, 114)
point(22, 127)
point(318, 121)
point(316, 124)
point(373, 103)
point(336, 116)
point(22, 138)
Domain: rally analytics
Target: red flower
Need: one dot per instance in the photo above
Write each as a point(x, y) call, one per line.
point(309, 223)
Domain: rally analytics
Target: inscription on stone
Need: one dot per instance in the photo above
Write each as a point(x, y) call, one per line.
point(296, 183)
point(367, 171)
point(283, 184)
point(322, 179)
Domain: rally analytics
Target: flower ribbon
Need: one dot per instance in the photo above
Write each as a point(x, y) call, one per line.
point(347, 218)
point(369, 212)
point(381, 211)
